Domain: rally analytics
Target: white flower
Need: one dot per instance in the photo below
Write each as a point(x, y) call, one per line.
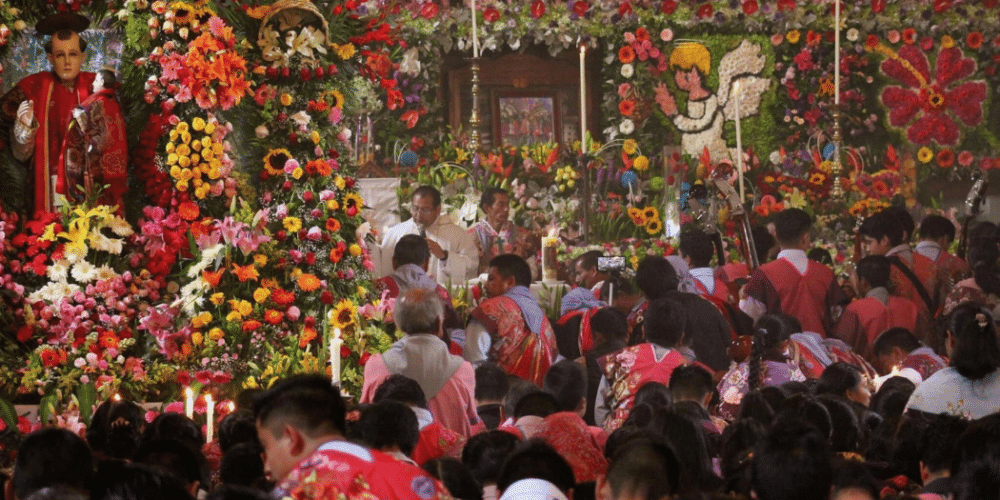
point(83, 272)
point(301, 118)
point(58, 271)
point(192, 295)
point(853, 35)
point(626, 127)
point(261, 131)
point(102, 243)
point(121, 227)
point(104, 273)
point(627, 70)
point(411, 62)
point(75, 253)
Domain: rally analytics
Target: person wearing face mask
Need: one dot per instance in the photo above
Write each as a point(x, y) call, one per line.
point(40, 108)
point(95, 151)
point(453, 253)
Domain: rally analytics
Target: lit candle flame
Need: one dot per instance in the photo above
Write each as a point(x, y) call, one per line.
point(895, 370)
point(116, 397)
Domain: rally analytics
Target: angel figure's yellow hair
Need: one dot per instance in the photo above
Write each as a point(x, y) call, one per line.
point(691, 55)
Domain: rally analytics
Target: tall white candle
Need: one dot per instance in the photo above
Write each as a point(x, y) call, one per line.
point(209, 418)
point(836, 53)
point(188, 402)
point(739, 138)
point(335, 344)
point(583, 98)
point(475, 31)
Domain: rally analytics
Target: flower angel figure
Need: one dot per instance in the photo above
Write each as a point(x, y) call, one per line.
point(702, 122)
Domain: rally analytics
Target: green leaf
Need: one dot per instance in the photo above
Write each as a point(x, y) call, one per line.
point(46, 407)
point(8, 414)
point(86, 395)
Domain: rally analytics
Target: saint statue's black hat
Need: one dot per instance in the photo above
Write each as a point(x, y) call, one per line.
point(63, 21)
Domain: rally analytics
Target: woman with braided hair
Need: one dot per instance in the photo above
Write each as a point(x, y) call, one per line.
point(970, 386)
point(774, 360)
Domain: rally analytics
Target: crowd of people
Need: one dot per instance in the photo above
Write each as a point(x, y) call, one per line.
point(782, 382)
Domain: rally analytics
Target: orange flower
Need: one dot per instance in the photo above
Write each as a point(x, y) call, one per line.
point(109, 340)
point(626, 54)
point(250, 325)
point(946, 158)
point(332, 225)
point(213, 277)
point(309, 282)
point(49, 358)
point(273, 317)
point(626, 107)
point(188, 210)
point(813, 38)
point(282, 297)
point(880, 188)
point(307, 336)
point(246, 273)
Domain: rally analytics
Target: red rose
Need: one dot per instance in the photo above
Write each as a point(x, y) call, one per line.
point(705, 11)
point(429, 10)
point(364, 358)
point(580, 8)
point(941, 5)
point(305, 74)
point(491, 14)
point(537, 9)
point(974, 40)
point(285, 72)
point(749, 7)
point(319, 72)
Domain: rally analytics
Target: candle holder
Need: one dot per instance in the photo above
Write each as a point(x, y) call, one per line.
point(550, 261)
point(837, 191)
point(474, 119)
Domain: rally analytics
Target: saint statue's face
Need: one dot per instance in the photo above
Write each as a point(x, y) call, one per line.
point(98, 83)
point(66, 58)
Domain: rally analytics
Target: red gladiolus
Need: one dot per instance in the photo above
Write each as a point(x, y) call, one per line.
point(537, 9)
point(705, 11)
point(749, 7)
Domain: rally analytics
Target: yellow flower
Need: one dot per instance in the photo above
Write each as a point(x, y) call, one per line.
point(210, 128)
point(297, 173)
point(345, 51)
point(654, 226)
point(461, 155)
point(641, 163)
point(182, 128)
point(50, 233)
point(332, 205)
point(925, 154)
point(355, 250)
point(630, 146)
point(339, 182)
point(292, 224)
point(362, 291)
point(793, 36)
point(260, 259)
point(269, 283)
point(216, 334)
point(650, 213)
point(234, 316)
point(245, 308)
point(286, 99)
point(947, 42)
point(261, 294)
point(343, 315)
point(217, 298)
point(198, 124)
point(197, 338)
point(314, 136)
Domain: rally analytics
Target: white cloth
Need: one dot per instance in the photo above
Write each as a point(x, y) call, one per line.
point(706, 276)
point(946, 391)
point(929, 249)
point(477, 342)
point(533, 489)
point(463, 256)
point(381, 197)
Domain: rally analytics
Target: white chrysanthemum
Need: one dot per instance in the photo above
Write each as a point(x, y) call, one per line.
point(193, 295)
point(102, 243)
point(75, 254)
point(121, 227)
point(628, 70)
point(54, 292)
point(104, 273)
point(853, 35)
point(626, 127)
point(208, 256)
point(58, 271)
point(83, 272)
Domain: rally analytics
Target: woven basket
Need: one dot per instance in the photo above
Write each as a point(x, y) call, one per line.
point(291, 13)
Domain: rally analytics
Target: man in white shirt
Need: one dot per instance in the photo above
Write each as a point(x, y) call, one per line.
point(454, 256)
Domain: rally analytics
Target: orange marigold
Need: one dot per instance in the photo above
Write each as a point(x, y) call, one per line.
point(282, 297)
point(250, 325)
point(307, 336)
point(272, 316)
point(309, 282)
point(626, 54)
point(188, 210)
point(213, 277)
point(332, 225)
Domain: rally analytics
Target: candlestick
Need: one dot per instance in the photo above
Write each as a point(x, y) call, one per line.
point(739, 139)
point(475, 31)
point(209, 418)
point(550, 262)
point(335, 344)
point(583, 99)
point(836, 53)
point(188, 402)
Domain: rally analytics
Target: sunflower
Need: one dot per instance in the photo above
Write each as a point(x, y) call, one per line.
point(650, 213)
point(338, 99)
point(343, 315)
point(654, 226)
point(925, 155)
point(636, 215)
point(275, 160)
point(309, 282)
point(353, 200)
point(817, 178)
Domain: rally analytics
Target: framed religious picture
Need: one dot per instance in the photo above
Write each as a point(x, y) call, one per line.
point(525, 117)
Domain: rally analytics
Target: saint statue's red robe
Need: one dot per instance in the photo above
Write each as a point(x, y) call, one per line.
point(54, 104)
point(96, 145)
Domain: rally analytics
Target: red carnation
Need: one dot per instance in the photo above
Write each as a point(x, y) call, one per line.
point(705, 11)
point(580, 8)
point(749, 7)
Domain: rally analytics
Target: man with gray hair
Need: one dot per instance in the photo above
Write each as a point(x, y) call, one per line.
point(447, 380)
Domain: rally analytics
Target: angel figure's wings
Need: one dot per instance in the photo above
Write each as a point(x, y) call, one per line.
point(742, 66)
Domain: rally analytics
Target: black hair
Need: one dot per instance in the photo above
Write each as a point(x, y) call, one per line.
point(654, 394)
point(566, 380)
point(897, 336)
point(664, 322)
point(984, 231)
point(978, 480)
point(883, 225)
point(388, 424)
point(242, 465)
point(763, 241)
point(431, 191)
point(244, 400)
point(64, 34)
point(696, 245)
point(756, 407)
point(736, 454)
point(892, 396)
point(589, 259)
point(456, 478)
point(978, 442)
point(237, 492)
point(310, 403)
point(846, 433)
point(539, 404)
point(904, 218)
point(129, 481)
point(874, 269)
point(52, 457)
point(791, 463)
point(116, 428)
point(982, 257)
point(690, 382)
point(174, 458)
point(937, 226)
point(684, 434)
point(769, 332)
point(976, 353)
point(610, 323)
point(838, 379)
point(491, 382)
point(109, 78)
point(790, 225)
point(411, 249)
point(805, 408)
point(821, 255)
point(484, 453)
point(621, 285)
point(854, 475)
point(402, 389)
point(646, 470)
point(518, 388)
point(489, 197)
point(897, 442)
point(536, 459)
point(57, 493)
point(655, 276)
point(510, 265)
point(174, 426)
point(237, 427)
point(940, 440)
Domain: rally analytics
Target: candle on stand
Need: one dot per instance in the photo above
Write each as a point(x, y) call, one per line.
point(475, 31)
point(550, 261)
point(836, 52)
point(739, 138)
point(188, 402)
point(583, 98)
point(335, 344)
point(209, 418)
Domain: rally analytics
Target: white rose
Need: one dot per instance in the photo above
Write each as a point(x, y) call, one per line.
point(261, 131)
point(628, 70)
point(626, 127)
point(852, 34)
